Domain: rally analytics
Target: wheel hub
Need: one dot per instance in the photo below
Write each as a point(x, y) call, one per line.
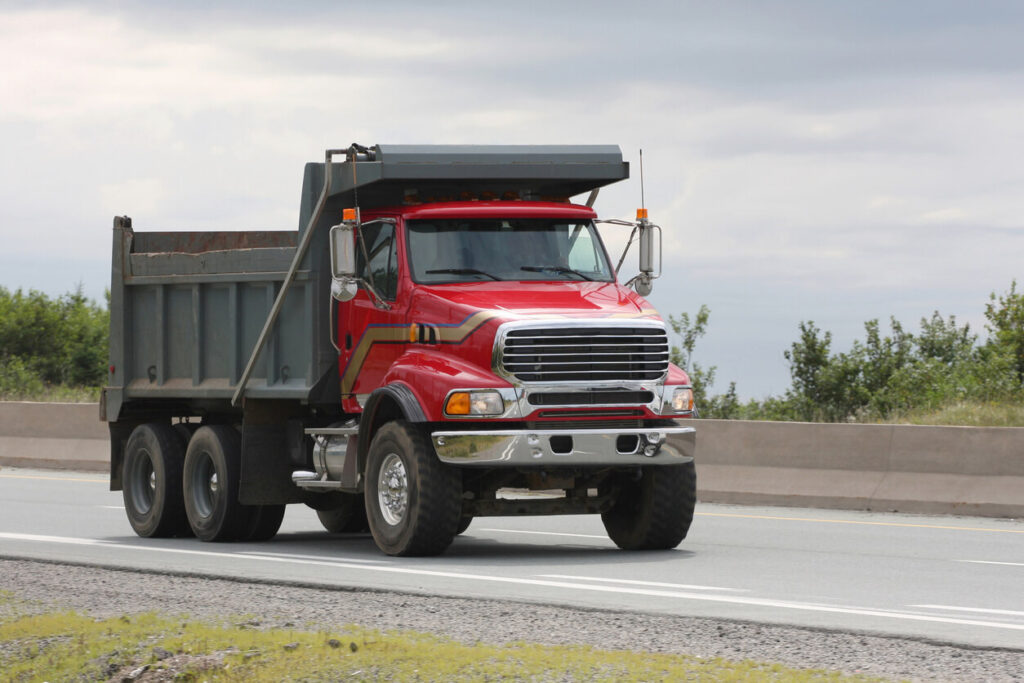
point(393, 489)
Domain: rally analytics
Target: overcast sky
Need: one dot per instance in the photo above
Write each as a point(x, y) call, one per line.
point(833, 162)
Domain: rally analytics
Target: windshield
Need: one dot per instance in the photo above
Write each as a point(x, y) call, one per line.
point(478, 249)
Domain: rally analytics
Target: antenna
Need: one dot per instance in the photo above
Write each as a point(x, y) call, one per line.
point(643, 205)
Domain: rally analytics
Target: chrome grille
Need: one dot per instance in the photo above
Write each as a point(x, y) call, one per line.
point(585, 353)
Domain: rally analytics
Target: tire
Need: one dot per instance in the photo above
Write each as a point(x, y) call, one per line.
point(210, 484)
point(654, 511)
point(185, 430)
point(264, 521)
point(463, 524)
point(151, 481)
point(413, 500)
point(347, 518)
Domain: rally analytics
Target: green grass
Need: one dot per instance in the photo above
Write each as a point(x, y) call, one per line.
point(71, 646)
point(968, 415)
point(59, 393)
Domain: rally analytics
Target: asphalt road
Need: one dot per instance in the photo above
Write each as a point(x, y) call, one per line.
point(949, 579)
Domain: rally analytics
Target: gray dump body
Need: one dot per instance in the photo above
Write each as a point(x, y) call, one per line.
point(187, 308)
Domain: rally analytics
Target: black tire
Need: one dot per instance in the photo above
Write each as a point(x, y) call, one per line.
point(463, 524)
point(654, 511)
point(264, 521)
point(151, 481)
point(185, 430)
point(210, 484)
point(347, 518)
point(419, 510)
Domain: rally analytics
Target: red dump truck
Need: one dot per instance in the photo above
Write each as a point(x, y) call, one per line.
point(442, 338)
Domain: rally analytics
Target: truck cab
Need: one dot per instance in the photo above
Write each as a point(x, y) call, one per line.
point(486, 361)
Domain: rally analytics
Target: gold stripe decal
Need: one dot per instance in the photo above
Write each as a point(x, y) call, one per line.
point(452, 334)
point(447, 334)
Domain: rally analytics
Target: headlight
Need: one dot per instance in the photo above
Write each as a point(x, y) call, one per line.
point(682, 400)
point(474, 403)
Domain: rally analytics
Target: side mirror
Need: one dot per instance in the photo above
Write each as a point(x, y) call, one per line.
point(343, 251)
point(343, 262)
point(649, 253)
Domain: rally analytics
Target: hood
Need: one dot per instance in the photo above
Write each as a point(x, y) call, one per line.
point(518, 300)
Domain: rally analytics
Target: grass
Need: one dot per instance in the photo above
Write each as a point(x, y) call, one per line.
point(72, 646)
point(58, 393)
point(967, 414)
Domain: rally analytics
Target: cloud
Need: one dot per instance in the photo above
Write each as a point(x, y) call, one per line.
point(807, 161)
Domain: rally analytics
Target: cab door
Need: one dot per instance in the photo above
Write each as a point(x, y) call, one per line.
point(373, 330)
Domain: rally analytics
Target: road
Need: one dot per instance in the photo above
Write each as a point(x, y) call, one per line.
point(950, 579)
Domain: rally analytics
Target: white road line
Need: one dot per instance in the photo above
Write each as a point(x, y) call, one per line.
point(112, 507)
point(488, 578)
point(631, 582)
point(1005, 564)
point(982, 610)
point(545, 533)
point(295, 556)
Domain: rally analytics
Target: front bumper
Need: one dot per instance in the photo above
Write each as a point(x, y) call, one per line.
point(552, 448)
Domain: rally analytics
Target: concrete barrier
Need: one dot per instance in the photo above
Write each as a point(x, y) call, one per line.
point(906, 468)
point(54, 435)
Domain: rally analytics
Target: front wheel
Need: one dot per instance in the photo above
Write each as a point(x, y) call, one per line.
point(652, 510)
point(413, 500)
point(349, 517)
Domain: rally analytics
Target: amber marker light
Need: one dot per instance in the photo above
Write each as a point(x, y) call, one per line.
point(458, 403)
point(348, 214)
point(641, 214)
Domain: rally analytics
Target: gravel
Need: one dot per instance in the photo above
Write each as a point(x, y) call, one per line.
point(104, 592)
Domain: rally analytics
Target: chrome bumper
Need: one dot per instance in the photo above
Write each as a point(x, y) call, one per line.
point(552, 448)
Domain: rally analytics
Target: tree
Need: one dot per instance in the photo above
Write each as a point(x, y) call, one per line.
point(725, 405)
point(62, 341)
point(1005, 316)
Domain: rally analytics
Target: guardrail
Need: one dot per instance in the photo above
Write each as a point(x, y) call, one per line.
point(906, 468)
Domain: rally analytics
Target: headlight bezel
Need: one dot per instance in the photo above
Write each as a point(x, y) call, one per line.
point(474, 403)
point(681, 401)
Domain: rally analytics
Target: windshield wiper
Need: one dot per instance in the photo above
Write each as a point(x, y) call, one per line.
point(462, 271)
point(557, 269)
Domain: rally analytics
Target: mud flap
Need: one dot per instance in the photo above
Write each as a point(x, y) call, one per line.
point(266, 475)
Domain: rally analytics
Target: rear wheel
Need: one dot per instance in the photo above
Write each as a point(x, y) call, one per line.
point(151, 481)
point(652, 511)
point(264, 521)
point(413, 500)
point(212, 465)
point(347, 518)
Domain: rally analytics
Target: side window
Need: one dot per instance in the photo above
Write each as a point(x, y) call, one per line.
point(583, 254)
point(382, 268)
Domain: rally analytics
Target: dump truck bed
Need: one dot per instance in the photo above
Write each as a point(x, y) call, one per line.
point(187, 308)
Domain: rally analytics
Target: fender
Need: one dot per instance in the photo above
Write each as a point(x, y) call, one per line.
point(434, 372)
point(369, 421)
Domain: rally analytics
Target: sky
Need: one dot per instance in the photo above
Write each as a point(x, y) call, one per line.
point(807, 161)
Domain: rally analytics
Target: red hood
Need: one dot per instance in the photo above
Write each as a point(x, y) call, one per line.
point(517, 300)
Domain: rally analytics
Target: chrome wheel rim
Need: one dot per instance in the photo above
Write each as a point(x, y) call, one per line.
point(393, 489)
